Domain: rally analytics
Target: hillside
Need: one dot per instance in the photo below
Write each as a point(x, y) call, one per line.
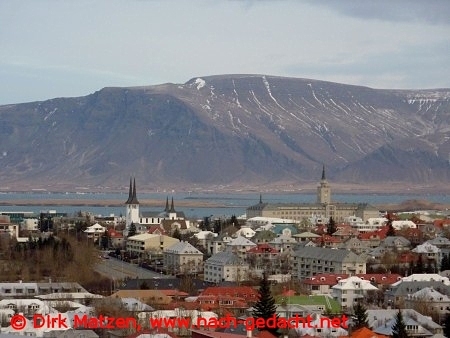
point(245, 132)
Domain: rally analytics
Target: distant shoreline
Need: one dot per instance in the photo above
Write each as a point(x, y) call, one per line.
point(406, 205)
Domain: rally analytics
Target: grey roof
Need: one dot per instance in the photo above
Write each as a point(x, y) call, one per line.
point(439, 241)
point(378, 318)
point(183, 248)
point(163, 284)
point(327, 254)
point(406, 288)
point(225, 258)
point(392, 240)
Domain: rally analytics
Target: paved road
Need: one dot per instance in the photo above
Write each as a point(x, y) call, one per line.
point(118, 270)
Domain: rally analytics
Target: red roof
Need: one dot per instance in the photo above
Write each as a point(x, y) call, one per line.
point(174, 293)
point(377, 234)
point(246, 292)
point(114, 233)
point(441, 223)
point(263, 248)
point(156, 229)
point(333, 278)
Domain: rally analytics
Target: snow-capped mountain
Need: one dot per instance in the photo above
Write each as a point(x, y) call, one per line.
point(243, 131)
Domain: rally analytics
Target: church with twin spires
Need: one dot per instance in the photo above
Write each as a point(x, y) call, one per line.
point(146, 221)
point(323, 208)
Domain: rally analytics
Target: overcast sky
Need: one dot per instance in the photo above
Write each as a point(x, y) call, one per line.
point(55, 48)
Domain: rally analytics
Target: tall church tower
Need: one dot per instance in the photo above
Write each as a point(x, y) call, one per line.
point(323, 190)
point(132, 206)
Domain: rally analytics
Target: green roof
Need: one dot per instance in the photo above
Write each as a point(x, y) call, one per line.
point(311, 300)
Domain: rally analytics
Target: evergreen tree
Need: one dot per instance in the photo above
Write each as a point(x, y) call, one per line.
point(331, 227)
point(399, 328)
point(265, 307)
point(105, 241)
point(391, 230)
point(217, 226)
point(446, 325)
point(419, 268)
point(360, 316)
point(234, 221)
point(177, 234)
point(132, 230)
point(445, 262)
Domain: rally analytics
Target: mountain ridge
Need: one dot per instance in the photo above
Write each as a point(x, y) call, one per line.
point(240, 130)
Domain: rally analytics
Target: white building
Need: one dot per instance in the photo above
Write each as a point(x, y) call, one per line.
point(246, 232)
point(348, 291)
point(402, 225)
point(95, 231)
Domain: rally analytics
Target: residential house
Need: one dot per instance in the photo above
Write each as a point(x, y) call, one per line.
point(182, 258)
point(356, 245)
point(442, 243)
point(218, 244)
point(233, 299)
point(308, 261)
point(397, 293)
point(429, 253)
point(116, 238)
point(306, 237)
point(246, 232)
point(262, 256)
point(345, 232)
point(417, 325)
point(284, 241)
point(403, 224)
point(203, 237)
point(351, 290)
point(286, 229)
point(95, 231)
point(225, 266)
point(321, 284)
point(240, 246)
point(263, 236)
point(429, 299)
point(396, 243)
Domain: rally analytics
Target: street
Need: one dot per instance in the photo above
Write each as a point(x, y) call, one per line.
point(118, 270)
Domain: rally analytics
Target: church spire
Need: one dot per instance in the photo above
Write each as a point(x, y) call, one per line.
point(132, 199)
point(167, 204)
point(260, 198)
point(323, 173)
point(172, 208)
point(129, 194)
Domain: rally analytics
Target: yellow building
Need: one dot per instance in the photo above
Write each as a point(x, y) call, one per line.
point(144, 244)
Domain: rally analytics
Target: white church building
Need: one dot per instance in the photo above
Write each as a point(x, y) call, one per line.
point(146, 219)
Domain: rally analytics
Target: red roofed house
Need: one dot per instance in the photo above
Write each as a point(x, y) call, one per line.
point(321, 284)
point(245, 292)
point(116, 238)
point(327, 241)
point(262, 255)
